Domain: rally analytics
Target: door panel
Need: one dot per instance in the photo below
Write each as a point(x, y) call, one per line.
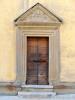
point(32, 73)
point(37, 60)
point(43, 73)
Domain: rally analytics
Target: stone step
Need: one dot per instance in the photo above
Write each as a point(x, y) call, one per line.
point(36, 90)
point(36, 94)
point(38, 86)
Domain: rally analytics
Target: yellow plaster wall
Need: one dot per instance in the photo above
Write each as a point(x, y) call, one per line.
point(9, 10)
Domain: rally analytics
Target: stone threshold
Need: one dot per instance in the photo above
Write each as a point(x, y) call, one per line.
point(37, 86)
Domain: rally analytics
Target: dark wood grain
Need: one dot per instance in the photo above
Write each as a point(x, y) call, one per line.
point(37, 60)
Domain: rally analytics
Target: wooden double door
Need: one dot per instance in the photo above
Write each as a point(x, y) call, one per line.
point(37, 60)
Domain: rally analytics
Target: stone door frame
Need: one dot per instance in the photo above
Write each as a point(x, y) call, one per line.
point(21, 51)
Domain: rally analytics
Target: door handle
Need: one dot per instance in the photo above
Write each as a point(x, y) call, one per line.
point(39, 60)
point(36, 60)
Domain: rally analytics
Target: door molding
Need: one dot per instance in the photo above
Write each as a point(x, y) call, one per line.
point(54, 56)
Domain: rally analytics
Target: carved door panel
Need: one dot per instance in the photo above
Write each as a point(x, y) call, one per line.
point(37, 60)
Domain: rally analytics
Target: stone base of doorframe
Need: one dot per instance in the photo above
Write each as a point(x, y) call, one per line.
point(12, 88)
point(64, 87)
point(9, 88)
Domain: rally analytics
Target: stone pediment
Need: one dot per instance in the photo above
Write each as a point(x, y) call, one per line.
point(37, 14)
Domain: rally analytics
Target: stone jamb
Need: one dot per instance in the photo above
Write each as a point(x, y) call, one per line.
point(22, 41)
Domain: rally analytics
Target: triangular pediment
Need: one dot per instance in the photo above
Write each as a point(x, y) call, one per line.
point(37, 14)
